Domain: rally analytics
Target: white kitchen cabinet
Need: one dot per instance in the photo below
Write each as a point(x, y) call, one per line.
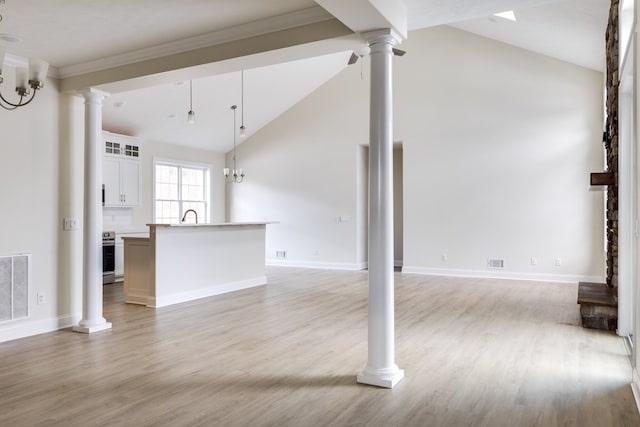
point(119, 252)
point(120, 171)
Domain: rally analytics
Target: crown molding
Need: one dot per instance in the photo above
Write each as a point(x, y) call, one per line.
point(252, 29)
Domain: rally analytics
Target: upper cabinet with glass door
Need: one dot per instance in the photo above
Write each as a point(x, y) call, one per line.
point(120, 171)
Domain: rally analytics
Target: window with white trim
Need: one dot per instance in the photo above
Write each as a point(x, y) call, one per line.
point(179, 187)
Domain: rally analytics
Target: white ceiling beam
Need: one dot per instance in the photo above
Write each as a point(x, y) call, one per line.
point(306, 40)
point(368, 15)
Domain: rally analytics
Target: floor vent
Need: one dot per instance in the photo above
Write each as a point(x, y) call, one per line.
point(14, 287)
point(495, 264)
point(281, 254)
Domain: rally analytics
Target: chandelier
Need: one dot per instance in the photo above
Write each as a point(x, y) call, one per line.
point(29, 78)
point(235, 175)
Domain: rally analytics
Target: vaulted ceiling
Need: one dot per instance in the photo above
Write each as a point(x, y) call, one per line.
point(80, 37)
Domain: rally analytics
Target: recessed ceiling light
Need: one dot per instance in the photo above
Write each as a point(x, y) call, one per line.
point(10, 38)
point(506, 15)
point(171, 116)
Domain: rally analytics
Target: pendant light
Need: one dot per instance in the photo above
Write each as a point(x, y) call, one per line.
point(28, 80)
point(235, 175)
point(191, 116)
point(242, 128)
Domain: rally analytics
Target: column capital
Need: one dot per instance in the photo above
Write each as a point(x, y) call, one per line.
point(384, 35)
point(93, 94)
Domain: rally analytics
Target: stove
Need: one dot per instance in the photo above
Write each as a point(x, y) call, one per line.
point(108, 257)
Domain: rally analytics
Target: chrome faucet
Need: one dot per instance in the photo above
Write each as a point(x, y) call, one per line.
point(186, 212)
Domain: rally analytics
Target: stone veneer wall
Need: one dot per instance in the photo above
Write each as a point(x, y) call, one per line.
point(611, 145)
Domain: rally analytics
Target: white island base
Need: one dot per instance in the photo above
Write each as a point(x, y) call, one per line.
point(179, 263)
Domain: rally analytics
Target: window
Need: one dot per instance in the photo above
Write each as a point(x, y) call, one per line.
point(179, 187)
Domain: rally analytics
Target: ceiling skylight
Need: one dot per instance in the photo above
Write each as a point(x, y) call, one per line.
point(506, 15)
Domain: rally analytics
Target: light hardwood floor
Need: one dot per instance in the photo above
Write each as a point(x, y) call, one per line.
point(475, 353)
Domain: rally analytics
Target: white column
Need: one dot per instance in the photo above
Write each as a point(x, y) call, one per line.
point(380, 369)
point(92, 320)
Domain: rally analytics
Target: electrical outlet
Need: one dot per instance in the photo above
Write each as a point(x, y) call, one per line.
point(444, 257)
point(558, 262)
point(534, 261)
point(40, 298)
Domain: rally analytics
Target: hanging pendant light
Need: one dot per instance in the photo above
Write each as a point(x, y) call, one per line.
point(191, 116)
point(235, 175)
point(242, 128)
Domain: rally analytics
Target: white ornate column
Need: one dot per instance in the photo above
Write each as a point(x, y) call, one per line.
point(92, 320)
point(380, 369)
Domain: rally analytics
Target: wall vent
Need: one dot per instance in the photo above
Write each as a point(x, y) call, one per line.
point(495, 264)
point(14, 287)
point(281, 254)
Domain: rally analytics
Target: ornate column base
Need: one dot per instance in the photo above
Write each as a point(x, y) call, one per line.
point(91, 328)
point(386, 378)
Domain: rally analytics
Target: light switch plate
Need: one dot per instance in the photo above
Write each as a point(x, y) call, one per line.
point(70, 224)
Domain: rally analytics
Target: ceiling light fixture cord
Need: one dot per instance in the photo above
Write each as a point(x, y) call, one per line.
point(242, 128)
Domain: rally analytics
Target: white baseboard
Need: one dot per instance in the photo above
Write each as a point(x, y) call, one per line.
point(496, 274)
point(179, 297)
point(627, 344)
point(26, 328)
point(314, 264)
point(635, 387)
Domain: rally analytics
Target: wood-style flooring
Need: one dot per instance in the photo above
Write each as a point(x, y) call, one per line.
point(476, 352)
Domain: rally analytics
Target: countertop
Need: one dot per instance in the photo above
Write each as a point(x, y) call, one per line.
point(219, 224)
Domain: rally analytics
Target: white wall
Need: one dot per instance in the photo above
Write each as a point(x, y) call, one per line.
point(301, 171)
point(38, 187)
point(142, 215)
point(498, 144)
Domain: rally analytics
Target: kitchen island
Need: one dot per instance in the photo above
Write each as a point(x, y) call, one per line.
point(179, 263)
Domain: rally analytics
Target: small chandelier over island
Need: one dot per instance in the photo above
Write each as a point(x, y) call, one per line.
point(235, 175)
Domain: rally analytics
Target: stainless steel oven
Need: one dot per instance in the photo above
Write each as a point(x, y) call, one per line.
point(108, 257)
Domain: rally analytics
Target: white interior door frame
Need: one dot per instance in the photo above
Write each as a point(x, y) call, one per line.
point(627, 200)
